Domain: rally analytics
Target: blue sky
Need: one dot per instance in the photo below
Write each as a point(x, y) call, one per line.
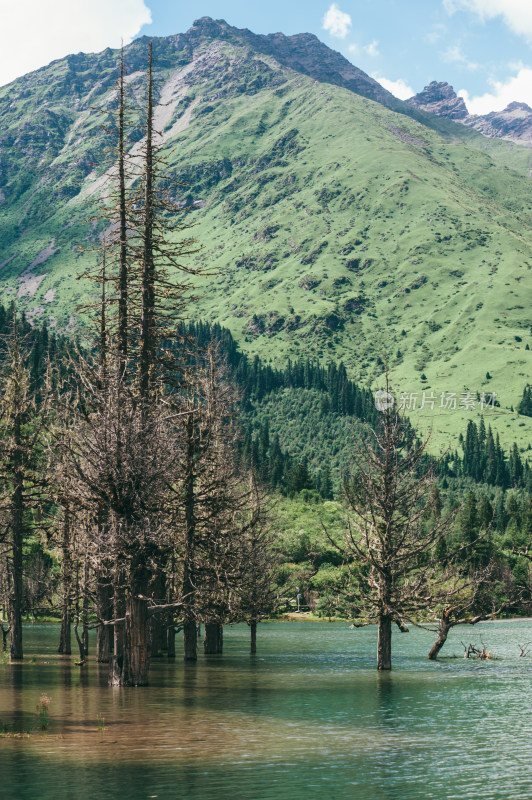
point(482, 47)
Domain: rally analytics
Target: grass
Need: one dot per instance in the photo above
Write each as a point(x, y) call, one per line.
point(42, 710)
point(334, 227)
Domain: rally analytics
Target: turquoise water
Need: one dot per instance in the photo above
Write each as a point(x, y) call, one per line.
point(308, 718)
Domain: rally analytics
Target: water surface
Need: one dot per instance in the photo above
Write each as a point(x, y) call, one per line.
point(307, 718)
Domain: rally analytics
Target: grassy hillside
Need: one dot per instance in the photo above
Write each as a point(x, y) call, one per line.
point(334, 226)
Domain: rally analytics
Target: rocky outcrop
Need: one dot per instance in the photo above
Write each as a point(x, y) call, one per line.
point(303, 53)
point(514, 123)
point(440, 99)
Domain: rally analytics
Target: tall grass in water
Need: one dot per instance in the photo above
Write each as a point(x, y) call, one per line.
point(42, 708)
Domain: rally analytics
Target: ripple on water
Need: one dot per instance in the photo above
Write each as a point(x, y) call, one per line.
point(310, 718)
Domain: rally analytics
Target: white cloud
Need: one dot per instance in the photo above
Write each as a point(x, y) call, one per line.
point(437, 32)
point(372, 49)
point(517, 88)
point(35, 32)
point(398, 88)
point(517, 14)
point(454, 55)
point(336, 22)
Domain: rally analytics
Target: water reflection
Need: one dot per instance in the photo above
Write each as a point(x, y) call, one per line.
point(308, 717)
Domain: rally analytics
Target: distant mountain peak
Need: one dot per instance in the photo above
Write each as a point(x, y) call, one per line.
point(440, 98)
point(209, 25)
point(302, 52)
point(518, 107)
point(514, 123)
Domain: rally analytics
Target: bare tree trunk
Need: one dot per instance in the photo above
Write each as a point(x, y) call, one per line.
point(136, 642)
point(443, 632)
point(159, 622)
point(171, 641)
point(119, 612)
point(213, 641)
point(5, 634)
point(190, 631)
point(384, 645)
point(104, 633)
point(65, 641)
point(253, 626)
point(17, 530)
point(190, 640)
point(136, 658)
point(81, 648)
point(85, 608)
point(79, 640)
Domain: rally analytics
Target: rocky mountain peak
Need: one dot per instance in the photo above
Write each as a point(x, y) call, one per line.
point(514, 123)
point(209, 26)
point(440, 98)
point(303, 52)
point(518, 107)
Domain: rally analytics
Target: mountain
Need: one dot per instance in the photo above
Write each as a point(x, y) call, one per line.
point(440, 99)
point(333, 225)
point(514, 124)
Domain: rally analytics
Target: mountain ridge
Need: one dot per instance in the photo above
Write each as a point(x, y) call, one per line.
point(334, 226)
point(514, 123)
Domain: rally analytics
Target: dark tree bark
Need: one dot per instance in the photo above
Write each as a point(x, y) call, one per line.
point(104, 607)
point(190, 640)
point(253, 627)
point(119, 612)
point(136, 642)
point(17, 532)
point(213, 641)
point(65, 641)
point(5, 635)
point(171, 642)
point(443, 632)
point(137, 627)
point(190, 630)
point(384, 644)
point(440, 641)
point(85, 607)
point(159, 622)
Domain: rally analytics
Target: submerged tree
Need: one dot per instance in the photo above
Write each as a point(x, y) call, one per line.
point(123, 439)
point(389, 546)
point(210, 494)
point(257, 591)
point(22, 472)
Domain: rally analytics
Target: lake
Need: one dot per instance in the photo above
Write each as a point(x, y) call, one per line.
point(308, 717)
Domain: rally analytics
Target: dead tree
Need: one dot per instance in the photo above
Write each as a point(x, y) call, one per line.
point(457, 615)
point(256, 589)
point(388, 546)
point(121, 456)
point(22, 433)
point(467, 599)
point(121, 441)
point(210, 494)
point(65, 646)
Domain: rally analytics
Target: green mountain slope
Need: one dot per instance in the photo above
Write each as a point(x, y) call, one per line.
point(334, 226)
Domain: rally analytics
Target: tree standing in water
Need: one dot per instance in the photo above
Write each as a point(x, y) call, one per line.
point(22, 433)
point(389, 547)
